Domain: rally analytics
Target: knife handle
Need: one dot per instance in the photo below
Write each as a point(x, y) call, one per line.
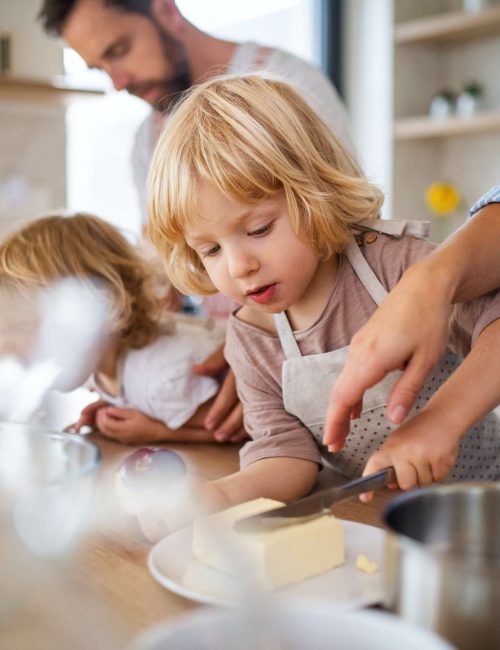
point(374, 481)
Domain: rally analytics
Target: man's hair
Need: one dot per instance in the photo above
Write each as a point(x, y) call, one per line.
point(249, 137)
point(54, 13)
point(89, 249)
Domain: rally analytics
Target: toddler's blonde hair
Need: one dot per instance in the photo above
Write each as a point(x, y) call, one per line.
point(85, 247)
point(251, 136)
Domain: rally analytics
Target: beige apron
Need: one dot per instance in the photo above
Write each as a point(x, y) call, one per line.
point(308, 381)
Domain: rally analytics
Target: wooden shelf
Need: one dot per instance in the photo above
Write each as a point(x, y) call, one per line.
point(449, 27)
point(418, 128)
point(53, 91)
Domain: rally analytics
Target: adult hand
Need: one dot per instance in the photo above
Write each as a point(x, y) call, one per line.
point(409, 332)
point(225, 417)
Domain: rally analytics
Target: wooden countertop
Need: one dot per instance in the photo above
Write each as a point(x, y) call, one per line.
point(106, 583)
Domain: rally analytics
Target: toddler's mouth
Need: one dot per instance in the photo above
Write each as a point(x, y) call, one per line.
point(257, 291)
point(262, 294)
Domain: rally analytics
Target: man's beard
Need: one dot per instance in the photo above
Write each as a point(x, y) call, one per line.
point(168, 89)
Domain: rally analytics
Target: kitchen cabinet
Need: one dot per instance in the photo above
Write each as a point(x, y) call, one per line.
point(67, 148)
point(438, 46)
point(34, 147)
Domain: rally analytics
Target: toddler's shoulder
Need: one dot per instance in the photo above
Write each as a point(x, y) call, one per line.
point(390, 256)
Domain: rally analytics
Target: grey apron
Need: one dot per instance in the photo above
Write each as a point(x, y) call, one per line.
point(308, 381)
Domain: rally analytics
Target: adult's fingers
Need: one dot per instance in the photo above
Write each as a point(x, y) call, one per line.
point(346, 399)
point(407, 387)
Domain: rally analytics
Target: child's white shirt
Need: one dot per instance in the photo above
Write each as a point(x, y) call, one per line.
point(158, 379)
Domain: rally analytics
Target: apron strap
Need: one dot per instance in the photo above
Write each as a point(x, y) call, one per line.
point(394, 227)
point(398, 227)
point(364, 272)
point(289, 345)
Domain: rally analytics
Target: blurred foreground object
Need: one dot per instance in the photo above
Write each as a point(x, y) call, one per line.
point(49, 340)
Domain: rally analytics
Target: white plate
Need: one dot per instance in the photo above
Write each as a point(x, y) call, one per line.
point(346, 586)
point(285, 625)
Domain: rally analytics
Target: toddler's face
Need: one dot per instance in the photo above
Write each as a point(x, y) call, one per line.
point(251, 252)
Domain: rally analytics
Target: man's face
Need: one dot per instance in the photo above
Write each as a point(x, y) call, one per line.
point(130, 48)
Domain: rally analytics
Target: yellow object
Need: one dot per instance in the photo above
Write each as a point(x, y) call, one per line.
point(442, 198)
point(271, 559)
point(365, 565)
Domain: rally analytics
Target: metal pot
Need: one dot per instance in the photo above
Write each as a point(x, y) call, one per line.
point(442, 561)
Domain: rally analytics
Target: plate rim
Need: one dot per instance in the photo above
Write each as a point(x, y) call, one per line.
point(155, 634)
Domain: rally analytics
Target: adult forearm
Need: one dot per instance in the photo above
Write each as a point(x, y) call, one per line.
point(473, 390)
point(468, 262)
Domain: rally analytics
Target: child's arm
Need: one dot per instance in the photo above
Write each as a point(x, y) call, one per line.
point(284, 479)
point(424, 448)
point(131, 426)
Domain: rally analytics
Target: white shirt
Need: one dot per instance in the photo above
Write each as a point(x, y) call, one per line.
point(158, 379)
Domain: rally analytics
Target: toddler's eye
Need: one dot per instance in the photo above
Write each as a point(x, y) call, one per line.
point(260, 231)
point(211, 251)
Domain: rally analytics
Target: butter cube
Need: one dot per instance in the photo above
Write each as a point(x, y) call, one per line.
point(273, 558)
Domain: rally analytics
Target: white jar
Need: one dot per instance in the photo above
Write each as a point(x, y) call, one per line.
point(467, 104)
point(441, 106)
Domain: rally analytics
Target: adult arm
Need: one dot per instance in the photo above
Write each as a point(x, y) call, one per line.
point(409, 330)
point(424, 449)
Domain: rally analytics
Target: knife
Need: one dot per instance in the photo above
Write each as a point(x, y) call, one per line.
point(315, 505)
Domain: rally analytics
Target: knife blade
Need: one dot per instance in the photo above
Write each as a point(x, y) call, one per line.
point(315, 505)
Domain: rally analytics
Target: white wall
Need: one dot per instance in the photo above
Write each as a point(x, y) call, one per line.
point(288, 24)
point(368, 78)
point(33, 54)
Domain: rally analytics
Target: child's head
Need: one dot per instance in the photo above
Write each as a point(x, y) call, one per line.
point(85, 247)
point(251, 138)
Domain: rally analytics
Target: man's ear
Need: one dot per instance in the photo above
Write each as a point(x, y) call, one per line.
point(168, 16)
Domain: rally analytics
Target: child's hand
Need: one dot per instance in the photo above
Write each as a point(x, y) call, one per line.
point(87, 416)
point(128, 425)
point(422, 451)
point(225, 417)
point(194, 498)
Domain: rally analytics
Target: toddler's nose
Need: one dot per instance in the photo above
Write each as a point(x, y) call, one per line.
point(241, 264)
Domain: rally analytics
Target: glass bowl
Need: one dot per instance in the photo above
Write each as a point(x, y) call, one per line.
point(46, 480)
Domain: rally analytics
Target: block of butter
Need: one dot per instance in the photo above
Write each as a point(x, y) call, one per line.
point(273, 558)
